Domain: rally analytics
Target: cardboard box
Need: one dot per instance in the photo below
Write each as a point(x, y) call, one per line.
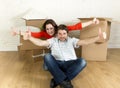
point(28, 47)
point(35, 22)
point(38, 54)
point(24, 54)
point(96, 51)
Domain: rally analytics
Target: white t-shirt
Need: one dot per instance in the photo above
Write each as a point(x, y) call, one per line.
point(63, 51)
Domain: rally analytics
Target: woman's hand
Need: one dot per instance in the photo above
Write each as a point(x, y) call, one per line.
point(95, 21)
point(102, 35)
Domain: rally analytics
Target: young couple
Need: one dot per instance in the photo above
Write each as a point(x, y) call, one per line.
point(62, 62)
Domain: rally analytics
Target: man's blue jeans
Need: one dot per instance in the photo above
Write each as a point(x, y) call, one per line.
point(63, 70)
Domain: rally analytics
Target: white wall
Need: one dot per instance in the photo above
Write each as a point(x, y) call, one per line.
point(11, 12)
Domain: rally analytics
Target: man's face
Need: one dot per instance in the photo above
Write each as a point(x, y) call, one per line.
point(62, 35)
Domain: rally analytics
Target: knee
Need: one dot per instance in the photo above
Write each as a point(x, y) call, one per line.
point(47, 57)
point(83, 62)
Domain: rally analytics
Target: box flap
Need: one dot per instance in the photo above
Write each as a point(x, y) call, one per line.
point(100, 18)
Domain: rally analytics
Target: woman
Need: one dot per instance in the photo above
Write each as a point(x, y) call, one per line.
point(50, 28)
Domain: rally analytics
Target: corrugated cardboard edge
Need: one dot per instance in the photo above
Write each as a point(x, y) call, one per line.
point(103, 18)
point(32, 19)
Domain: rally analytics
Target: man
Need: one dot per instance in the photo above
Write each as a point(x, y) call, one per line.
point(62, 63)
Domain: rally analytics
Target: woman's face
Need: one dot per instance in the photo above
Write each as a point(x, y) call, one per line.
point(50, 29)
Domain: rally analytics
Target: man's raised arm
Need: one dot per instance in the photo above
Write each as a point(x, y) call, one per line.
point(92, 40)
point(38, 42)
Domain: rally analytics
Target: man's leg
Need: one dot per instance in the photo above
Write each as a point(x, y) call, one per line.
point(54, 68)
point(75, 68)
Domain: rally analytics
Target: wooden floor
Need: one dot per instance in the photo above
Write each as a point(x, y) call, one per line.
point(25, 73)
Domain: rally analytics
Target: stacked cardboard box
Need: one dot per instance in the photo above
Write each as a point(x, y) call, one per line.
point(98, 50)
point(34, 51)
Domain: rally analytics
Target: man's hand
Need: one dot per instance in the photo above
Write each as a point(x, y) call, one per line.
point(102, 35)
point(15, 31)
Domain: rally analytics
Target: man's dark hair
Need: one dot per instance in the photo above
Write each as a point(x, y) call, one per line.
point(62, 27)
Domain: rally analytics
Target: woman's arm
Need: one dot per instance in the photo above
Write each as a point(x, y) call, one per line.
point(77, 26)
point(94, 21)
point(40, 34)
point(80, 25)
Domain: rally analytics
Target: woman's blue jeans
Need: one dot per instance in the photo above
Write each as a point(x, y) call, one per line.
point(63, 70)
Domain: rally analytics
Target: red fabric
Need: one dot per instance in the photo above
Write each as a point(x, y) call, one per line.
point(43, 34)
point(77, 26)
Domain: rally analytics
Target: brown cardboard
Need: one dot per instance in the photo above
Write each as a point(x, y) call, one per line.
point(27, 45)
point(37, 54)
point(23, 54)
point(96, 51)
point(35, 22)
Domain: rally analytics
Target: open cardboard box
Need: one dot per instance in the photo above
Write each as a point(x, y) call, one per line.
point(98, 50)
point(26, 45)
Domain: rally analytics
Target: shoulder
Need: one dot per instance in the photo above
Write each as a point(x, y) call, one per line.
point(53, 39)
point(72, 38)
